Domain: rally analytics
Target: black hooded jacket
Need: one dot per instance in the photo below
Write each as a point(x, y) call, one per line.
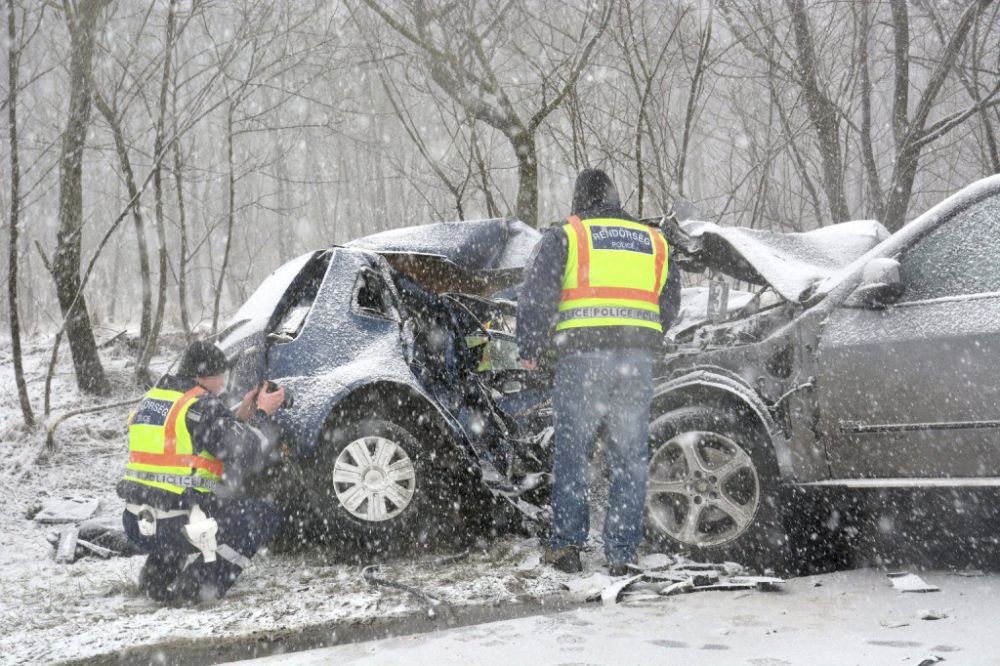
point(594, 196)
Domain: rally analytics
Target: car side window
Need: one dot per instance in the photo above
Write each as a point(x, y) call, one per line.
point(958, 258)
point(369, 295)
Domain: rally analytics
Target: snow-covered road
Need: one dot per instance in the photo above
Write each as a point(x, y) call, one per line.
point(852, 617)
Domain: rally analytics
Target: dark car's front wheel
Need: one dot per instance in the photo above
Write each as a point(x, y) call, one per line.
point(375, 486)
point(712, 490)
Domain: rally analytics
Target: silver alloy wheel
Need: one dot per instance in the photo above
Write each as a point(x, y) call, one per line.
point(703, 489)
point(374, 479)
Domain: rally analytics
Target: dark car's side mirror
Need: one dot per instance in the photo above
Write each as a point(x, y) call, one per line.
point(880, 285)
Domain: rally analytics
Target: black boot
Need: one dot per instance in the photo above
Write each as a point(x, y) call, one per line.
point(204, 582)
point(158, 574)
point(565, 559)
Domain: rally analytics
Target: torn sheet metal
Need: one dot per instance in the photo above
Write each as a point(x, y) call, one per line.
point(667, 575)
point(612, 594)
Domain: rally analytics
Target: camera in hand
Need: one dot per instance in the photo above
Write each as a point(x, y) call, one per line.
point(289, 398)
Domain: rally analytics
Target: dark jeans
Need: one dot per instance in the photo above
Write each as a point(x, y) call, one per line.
point(245, 525)
point(613, 389)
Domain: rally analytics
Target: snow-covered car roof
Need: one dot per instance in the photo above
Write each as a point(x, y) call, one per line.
point(790, 263)
point(478, 256)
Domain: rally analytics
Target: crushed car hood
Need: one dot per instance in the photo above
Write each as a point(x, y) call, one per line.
point(790, 263)
point(478, 257)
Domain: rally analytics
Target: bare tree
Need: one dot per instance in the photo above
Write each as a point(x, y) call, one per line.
point(823, 111)
point(697, 84)
point(230, 212)
point(159, 148)
point(13, 60)
point(182, 300)
point(81, 20)
point(115, 122)
point(646, 58)
point(912, 132)
point(460, 47)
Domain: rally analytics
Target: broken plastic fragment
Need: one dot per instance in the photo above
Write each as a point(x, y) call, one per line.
point(66, 510)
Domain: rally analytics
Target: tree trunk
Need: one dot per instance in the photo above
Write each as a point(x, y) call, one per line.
point(66, 260)
point(523, 143)
point(230, 218)
point(822, 113)
point(13, 58)
point(693, 94)
point(182, 268)
point(904, 174)
point(125, 164)
point(875, 194)
point(149, 344)
point(484, 182)
point(911, 138)
point(182, 223)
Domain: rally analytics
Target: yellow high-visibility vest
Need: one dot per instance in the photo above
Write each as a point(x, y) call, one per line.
point(160, 449)
point(615, 272)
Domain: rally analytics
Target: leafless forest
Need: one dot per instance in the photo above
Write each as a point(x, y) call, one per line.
point(160, 157)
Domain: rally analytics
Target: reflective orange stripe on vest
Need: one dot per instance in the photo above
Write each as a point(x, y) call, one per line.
point(583, 288)
point(170, 428)
point(169, 457)
point(172, 460)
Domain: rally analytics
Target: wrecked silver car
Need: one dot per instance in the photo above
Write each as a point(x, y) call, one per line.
point(849, 359)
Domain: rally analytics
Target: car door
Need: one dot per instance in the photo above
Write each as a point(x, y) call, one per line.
point(913, 390)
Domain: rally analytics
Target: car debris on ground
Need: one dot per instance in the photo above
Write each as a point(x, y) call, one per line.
point(679, 575)
point(81, 534)
point(661, 575)
point(908, 582)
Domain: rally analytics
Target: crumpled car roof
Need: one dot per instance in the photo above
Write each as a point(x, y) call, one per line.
point(478, 256)
point(790, 263)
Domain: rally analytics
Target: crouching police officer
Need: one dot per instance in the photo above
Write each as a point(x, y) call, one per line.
point(184, 445)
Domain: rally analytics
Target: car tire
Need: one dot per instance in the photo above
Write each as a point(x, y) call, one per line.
point(376, 489)
point(713, 491)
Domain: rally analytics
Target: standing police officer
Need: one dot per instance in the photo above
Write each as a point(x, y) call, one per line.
point(184, 444)
point(604, 281)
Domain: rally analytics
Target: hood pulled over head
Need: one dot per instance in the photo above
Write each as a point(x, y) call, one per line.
point(594, 190)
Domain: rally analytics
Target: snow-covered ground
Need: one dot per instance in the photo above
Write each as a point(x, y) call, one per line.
point(53, 612)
